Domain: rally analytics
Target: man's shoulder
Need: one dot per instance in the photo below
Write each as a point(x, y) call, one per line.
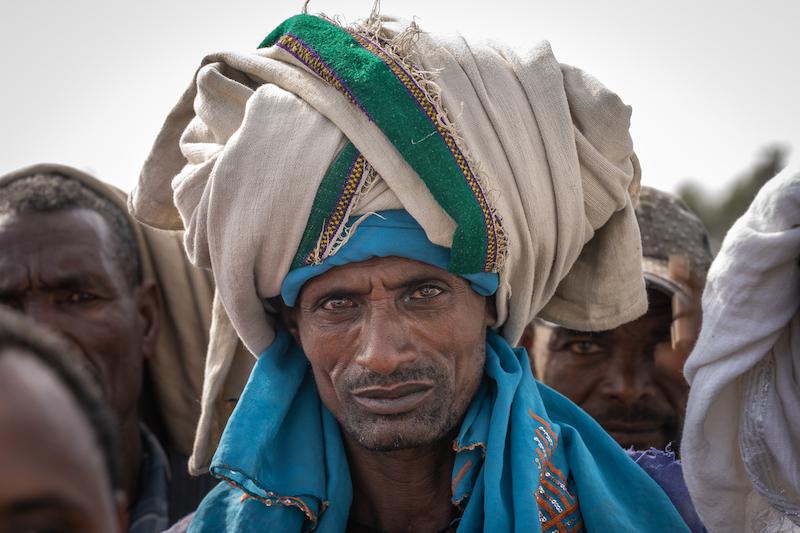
point(150, 511)
point(666, 470)
point(182, 525)
point(211, 512)
point(227, 507)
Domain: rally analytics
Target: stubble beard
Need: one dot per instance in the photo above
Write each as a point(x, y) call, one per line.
point(423, 426)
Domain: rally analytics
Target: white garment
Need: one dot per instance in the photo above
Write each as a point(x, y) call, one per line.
point(240, 157)
point(741, 443)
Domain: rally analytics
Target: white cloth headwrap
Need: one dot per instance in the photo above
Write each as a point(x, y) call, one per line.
point(240, 158)
point(741, 444)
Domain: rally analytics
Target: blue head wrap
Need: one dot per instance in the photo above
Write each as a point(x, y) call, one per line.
point(526, 457)
point(384, 234)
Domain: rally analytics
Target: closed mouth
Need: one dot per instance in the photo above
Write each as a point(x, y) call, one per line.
point(395, 399)
point(624, 426)
point(639, 434)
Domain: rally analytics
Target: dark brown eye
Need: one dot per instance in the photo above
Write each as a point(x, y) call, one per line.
point(79, 297)
point(338, 303)
point(584, 347)
point(426, 292)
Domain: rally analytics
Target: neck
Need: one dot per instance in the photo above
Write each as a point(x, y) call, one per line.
point(401, 490)
point(131, 455)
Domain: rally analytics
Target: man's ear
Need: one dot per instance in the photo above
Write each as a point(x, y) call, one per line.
point(527, 342)
point(148, 305)
point(491, 312)
point(288, 317)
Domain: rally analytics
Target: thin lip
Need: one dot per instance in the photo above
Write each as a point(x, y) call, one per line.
point(394, 400)
point(393, 391)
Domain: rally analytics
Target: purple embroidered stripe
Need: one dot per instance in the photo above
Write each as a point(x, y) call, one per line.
point(333, 224)
point(429, 109)
point(309, 57)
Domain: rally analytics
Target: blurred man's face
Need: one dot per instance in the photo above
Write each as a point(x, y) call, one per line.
point(625, 378)
point(397, 348)
point(54, 473)
point(61, 269)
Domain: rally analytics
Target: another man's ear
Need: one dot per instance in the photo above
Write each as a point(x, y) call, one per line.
point(148, 305)
point(528, 336)
point(121, 508)
point(526, 341)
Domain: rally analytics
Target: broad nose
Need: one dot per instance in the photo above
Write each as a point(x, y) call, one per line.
point(385, 345)
point(629, 382)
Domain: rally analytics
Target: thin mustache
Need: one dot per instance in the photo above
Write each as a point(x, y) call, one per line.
point(372, 379)
point(637, 413)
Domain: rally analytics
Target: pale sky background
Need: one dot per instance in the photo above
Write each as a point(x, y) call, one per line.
point(711, 82)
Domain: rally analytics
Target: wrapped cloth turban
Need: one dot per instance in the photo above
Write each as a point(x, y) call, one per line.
point(518, 164)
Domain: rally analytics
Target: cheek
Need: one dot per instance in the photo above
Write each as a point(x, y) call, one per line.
point(110, 339)
point(115, 333)
point(462, 344)
point(469, 368)
point(103, 325)
point(574, 379)
point(327, 353)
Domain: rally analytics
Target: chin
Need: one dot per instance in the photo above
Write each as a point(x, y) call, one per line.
point(383, 437)
point(383, 434)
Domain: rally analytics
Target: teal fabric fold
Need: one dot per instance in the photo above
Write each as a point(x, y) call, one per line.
point(384, 234)
point(526, 459)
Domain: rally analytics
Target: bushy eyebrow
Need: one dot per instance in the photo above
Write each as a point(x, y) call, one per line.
point(70, 281)
point(416, 282)
point(38, 504)
point(342, 291)
point(567, 333)
point(74, 280)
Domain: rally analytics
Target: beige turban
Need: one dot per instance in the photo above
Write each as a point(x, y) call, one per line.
point(543, 147)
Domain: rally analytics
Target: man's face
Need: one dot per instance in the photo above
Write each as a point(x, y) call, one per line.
point(55, 475)
point(60, 268)
point(625, 378)
point(396, 347)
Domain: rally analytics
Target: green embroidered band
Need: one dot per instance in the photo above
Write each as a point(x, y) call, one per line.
point(362, 69)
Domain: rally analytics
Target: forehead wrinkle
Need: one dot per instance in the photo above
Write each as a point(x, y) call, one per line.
point(76, 256)
point(568, 333)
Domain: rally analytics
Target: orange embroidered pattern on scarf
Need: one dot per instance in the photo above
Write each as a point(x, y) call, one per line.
point(558, 508)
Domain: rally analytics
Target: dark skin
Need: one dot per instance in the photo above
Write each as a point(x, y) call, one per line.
point(61, 269)
point(626, 378)
point(397, 351)
point(58, 478)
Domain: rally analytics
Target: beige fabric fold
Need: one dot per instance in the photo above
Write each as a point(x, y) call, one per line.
point(240, 157)
point(177, 365)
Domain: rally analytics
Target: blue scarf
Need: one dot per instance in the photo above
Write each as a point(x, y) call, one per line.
point(526, 458)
